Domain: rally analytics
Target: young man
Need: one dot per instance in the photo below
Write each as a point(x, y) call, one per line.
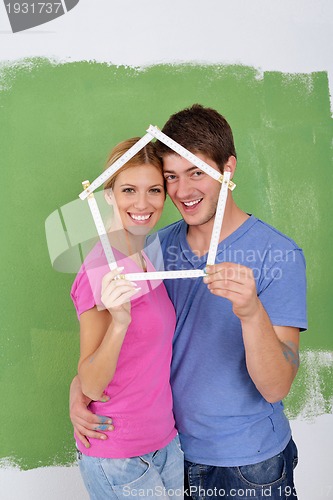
point(235, 349)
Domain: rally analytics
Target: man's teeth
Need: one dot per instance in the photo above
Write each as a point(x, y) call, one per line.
point(140, 217)
point(191, 203)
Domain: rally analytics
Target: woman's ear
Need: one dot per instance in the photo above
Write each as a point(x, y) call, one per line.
point(111, 200)
point(230, 166)
point(109, 196)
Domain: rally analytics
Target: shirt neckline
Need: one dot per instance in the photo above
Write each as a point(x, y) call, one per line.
point(200, 262)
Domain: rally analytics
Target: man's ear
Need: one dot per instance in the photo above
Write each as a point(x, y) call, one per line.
point(109, 196)
point(230, 166)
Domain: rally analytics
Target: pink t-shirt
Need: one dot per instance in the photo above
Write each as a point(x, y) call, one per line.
point(140, 394)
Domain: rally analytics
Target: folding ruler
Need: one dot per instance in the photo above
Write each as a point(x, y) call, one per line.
point(226, 183)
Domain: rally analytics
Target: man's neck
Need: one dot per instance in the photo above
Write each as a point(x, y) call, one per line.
point(199, 237)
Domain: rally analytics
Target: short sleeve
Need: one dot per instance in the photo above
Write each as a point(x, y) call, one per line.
point(283, 290)
point(81, 293)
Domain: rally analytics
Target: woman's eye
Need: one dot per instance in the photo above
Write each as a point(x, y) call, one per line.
point(156, 190)
point(128, 190)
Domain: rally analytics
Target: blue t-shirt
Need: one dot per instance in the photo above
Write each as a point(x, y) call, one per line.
point(221, 417)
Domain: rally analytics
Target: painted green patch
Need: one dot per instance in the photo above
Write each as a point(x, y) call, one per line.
point(57, 125)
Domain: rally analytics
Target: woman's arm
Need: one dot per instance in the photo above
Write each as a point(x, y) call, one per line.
point(101, 339)
point(102, 334)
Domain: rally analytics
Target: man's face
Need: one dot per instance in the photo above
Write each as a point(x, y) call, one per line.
point(194, 192)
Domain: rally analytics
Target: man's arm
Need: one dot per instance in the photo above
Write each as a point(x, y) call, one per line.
point(272, 356)
point(86, 424)
point(271, 351)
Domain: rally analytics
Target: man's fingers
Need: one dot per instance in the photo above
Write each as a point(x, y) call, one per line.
point(93, 429)
point(226, 286)
point(83, 434)
point(86, 426)
point(236, 275)
point(84, 417)
point(104, 427)
point(228, 272)
point(82, 438)
point(105, 424)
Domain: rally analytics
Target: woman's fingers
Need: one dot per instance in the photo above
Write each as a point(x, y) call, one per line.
point(124, 297)
point(111, 276)
point(118, 293)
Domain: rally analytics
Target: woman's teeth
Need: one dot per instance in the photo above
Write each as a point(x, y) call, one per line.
point(140, 217)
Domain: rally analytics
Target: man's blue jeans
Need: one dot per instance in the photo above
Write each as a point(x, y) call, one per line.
point(270, 479)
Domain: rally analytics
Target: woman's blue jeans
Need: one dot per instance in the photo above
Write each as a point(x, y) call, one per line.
point(155, 475)
point(271, 479)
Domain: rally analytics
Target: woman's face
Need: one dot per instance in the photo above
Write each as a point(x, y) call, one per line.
point(139, 195)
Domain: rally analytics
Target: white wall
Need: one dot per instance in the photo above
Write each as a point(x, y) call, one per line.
point(290, 36)
point(313, 476)
point(269, 35)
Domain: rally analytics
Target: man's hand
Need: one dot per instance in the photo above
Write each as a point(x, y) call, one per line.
point(86, 424)
point(236, 283)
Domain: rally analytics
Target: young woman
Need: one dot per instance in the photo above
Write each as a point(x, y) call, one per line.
point(126, 335)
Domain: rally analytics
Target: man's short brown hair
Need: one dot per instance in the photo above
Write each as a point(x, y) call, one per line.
point(200, 130)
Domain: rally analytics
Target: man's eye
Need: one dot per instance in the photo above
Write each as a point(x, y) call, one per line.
point(198, 173)
point(170, 178)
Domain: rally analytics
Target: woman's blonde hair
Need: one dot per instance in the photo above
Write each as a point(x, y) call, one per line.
point(146, 156)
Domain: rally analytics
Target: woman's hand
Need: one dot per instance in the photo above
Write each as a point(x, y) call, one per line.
point(116, 294)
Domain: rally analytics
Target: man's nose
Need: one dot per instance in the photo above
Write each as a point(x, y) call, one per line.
point(184, 189)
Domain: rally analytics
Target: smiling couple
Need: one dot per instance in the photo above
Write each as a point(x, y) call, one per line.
point(186, 375)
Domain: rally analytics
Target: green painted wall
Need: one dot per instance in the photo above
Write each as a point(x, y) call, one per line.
point(57, 124)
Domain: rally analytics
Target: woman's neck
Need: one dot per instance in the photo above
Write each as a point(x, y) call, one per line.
point(128, 244)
